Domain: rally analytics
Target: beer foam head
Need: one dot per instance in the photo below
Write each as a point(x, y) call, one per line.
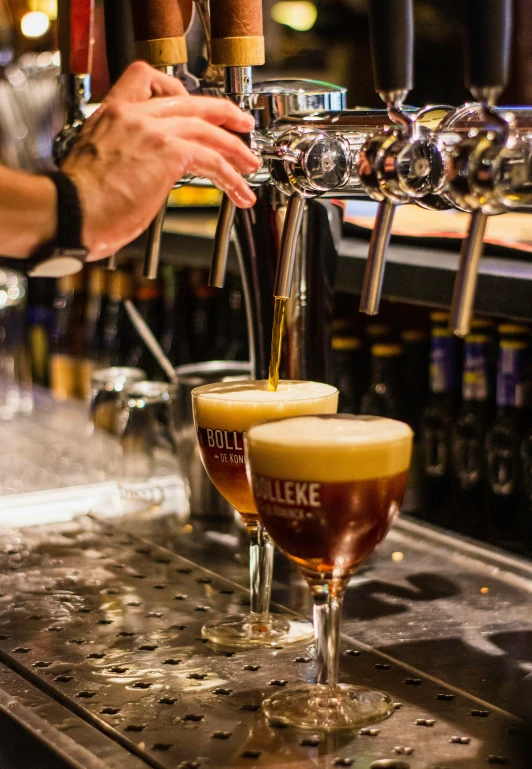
point(330, 448)
point(238, 405)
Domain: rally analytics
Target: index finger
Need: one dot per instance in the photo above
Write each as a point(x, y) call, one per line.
point(140, 82)
point(217, 111)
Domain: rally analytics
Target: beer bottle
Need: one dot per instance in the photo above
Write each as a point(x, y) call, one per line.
point(94, 324)
point(116, 334)
point(67, 338)
point(179, 346)
point(487, 327)
point(39, 327)
point(149, 302)
point(384, 396)
point(436, 424)
point(374, 333)
point(237, 347)
point(416, 353)
point(520, 333)
point(379, 333)
point(167, 273)
point(503, 447)
point(203, 317)
point(346, 362)
point(467, 439)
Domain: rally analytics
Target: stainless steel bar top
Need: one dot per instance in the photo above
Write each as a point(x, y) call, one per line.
point(108, 624)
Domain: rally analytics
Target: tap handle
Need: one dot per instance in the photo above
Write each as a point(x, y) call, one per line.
point(76, 36)
point(391, 29)
point(159, 32)
point(119, 37)
point(237, 33)
point(287, 255)
point(488, 35)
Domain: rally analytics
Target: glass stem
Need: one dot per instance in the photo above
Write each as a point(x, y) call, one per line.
point(327, 619)
point(261, 551)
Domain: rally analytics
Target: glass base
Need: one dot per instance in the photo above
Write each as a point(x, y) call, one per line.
point(241, 631)
point(324, 708)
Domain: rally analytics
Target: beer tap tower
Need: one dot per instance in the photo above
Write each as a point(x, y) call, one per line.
point(475, 158)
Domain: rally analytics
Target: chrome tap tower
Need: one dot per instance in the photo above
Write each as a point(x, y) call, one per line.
point(475, 158)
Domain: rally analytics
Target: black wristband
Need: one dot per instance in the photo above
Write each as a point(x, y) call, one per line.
point(69, 214)
point(65, 254)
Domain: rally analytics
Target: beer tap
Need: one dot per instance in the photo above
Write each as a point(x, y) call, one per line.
point(76, 41)
point(391, 24)
point(160, 40)
point(488, 38)
point(305, 163)
point(237, 43)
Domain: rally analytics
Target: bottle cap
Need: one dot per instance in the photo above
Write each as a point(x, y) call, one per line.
point(512, 344)
point(481, 323)
point(71, 283)
point(120, 285)
point(341, 324)
point(440, 332)
point(477, 339)
point(512, 329)
point(414, 335)
point(97, 281)
point(374, 330)
point(345, 343)
point(386, 350)
point(439, 317)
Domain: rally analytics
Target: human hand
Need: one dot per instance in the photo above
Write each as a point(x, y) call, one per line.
point(148, 133)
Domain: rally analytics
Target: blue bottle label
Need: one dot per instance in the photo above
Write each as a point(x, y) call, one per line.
point(475, 376)
point(442, 362)
point(510, 390)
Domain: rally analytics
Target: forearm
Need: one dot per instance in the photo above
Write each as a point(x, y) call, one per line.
point(28, 212)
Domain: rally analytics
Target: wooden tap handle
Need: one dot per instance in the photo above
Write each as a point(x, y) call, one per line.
point(237, 33)
point(159, 32)
point(76, 36)
point(187, 12)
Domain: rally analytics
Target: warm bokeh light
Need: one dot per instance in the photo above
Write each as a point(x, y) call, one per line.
point(397, 556)
point(34, 24)
point(297, 14)
point(49, 7)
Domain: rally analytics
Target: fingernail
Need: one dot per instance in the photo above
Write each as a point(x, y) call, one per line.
point(251, 168)
point(246, 196)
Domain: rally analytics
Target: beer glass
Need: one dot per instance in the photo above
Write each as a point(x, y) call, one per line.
point(223, 412)
point(327, 489)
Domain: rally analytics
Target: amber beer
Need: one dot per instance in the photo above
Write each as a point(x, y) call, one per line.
point(224, 411)
point(329, 488)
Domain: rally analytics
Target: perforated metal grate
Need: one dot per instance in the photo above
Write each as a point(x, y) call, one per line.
point(111, 626)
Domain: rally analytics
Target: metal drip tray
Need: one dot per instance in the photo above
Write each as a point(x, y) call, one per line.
point(109, 627)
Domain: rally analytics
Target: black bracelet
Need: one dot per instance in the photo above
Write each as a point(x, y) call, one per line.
point(65, 254)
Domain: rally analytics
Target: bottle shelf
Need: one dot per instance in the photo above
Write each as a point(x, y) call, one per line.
point(415, 274)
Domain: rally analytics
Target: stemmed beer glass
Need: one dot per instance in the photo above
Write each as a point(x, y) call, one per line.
point(327, 489)
point(223, 412)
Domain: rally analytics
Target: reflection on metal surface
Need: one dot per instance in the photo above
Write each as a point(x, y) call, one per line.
point(110, 624)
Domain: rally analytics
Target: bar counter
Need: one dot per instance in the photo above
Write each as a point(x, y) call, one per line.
point(102, 660)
